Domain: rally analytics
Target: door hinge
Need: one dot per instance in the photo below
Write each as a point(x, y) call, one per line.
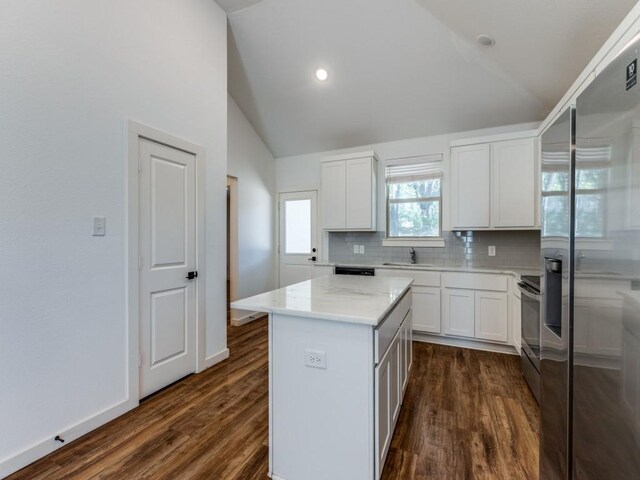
point(139, 360)
point(139, 262)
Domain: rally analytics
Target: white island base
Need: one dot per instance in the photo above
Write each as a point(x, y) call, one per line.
point(336, 383)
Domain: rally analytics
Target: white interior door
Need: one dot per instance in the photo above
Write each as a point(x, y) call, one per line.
point(299, 246)
point(167, 234)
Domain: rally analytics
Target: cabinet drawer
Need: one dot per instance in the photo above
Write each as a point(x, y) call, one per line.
point(386, 331)
point(420, 278)
point(476, 281)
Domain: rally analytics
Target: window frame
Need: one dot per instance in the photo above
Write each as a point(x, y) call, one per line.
point(415, 241)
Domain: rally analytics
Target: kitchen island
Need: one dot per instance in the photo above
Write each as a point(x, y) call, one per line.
point(339, 359)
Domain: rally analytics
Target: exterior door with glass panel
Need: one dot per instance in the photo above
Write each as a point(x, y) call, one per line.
point(298, 236)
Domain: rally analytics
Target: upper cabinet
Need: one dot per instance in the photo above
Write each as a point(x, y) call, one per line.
point(513, 173)
point(494, 185)
point(471, 186)
point(348, 196)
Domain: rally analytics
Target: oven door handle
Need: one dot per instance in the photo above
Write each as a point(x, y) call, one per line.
point(527, 292)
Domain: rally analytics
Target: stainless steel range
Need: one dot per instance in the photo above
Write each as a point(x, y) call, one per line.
point(530, 327)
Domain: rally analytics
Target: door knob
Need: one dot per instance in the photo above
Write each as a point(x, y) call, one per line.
point(192, 275)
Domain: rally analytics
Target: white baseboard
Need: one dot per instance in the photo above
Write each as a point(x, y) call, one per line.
point(45, 447)
point(464, 343)
point(247, 318)
point(216, 358)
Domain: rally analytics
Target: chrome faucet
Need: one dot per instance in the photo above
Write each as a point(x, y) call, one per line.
point(412, 253)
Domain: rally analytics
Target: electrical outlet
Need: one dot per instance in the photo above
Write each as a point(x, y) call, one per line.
point(362, 249)
point(315, 358)
point(355, 249)
point(492, 251)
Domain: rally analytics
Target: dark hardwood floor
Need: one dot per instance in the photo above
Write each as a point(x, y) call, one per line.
point(467, 414)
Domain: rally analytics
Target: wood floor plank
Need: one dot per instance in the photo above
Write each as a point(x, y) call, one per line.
point(466, 414)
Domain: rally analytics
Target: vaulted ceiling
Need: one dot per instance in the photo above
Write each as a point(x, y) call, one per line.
point(404, 68)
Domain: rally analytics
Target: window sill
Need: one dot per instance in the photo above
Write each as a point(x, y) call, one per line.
point(413, 242)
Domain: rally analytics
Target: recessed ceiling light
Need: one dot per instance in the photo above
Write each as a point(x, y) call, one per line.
point(485, 40)
point(322, 74)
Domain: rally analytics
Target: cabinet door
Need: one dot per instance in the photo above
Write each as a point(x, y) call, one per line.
point(382, 413)
point(426, 309)
point(387, 401)
point(407, 350)
point(470, 186)
point(492, 316)
point(395, 380)
point(360, 192)
point(333, 195)
point(459, 312)
point(516, 321)
point(513, 183)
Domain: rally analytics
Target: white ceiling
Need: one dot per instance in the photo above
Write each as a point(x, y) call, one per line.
point(404, 68)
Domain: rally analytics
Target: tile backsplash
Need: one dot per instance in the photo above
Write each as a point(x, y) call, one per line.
point(464, 249)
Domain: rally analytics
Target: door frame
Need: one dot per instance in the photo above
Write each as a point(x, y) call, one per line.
point(232, 183)
point(318, 229)
point(135, 132)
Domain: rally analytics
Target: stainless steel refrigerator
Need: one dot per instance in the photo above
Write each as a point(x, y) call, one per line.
point(590, 293)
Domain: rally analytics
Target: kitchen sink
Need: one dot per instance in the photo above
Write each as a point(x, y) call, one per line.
point(407, 264)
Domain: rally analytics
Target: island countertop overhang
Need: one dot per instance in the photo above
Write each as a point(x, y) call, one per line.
point(350, 299)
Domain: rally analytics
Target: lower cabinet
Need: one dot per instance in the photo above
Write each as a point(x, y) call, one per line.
point(407, 353)
point(492, 316)
point(476, 314)
point(459, 312)
point(391, 377)
point(478, 306)
point(426, 305)
point(516, 314)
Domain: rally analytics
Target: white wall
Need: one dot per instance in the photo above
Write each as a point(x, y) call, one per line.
point(303, 171)
point(251, 162)
point(71, 73)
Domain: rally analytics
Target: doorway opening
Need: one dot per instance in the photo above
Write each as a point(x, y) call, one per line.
point(232, 244)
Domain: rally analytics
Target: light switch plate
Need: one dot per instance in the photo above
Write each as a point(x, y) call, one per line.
point(492, 251)
point(355, 249)
point(99, 226)
point(362, 249)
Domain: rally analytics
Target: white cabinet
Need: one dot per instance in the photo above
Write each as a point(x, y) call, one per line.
point(383, 413)
point(426, 308)
point(513, 183)
point(491, 316)
point(333, 196)
point(395, 377)
point(407, 351)
point(360, 193)
point(470, 186)
point(515, 313)
point(494, 185)
point(476, 305)
point(459, 312)
point(426, 294)
point(391, 377)
point(348, 195)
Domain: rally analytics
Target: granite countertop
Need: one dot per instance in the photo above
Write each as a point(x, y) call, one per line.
point(360, 300)
point(506, 270)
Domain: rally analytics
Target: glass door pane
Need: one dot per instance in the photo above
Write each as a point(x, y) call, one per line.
point(298, 226)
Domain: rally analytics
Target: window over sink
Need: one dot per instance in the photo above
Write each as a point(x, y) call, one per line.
point(414, 200)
